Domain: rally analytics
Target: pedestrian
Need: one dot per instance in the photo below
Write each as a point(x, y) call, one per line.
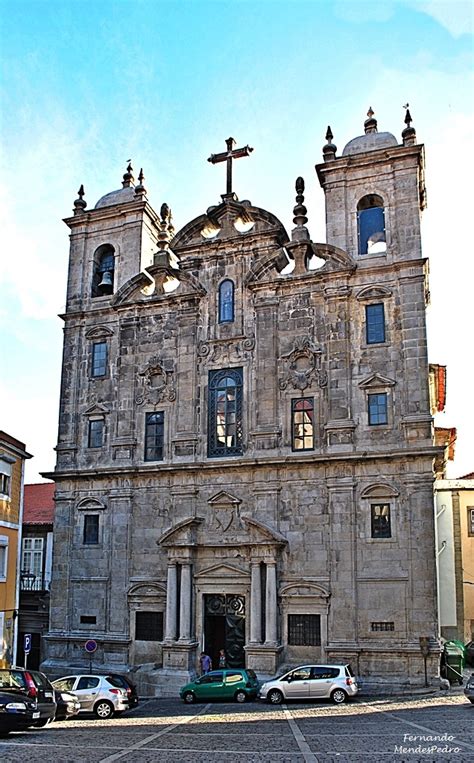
point(206, 663)
point(222, 662)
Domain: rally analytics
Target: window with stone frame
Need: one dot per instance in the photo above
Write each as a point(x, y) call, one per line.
point(304, 630)
point(380, 520)
point(90, 533)
point(154, 435)
point(5, 482)
point(224, 436)
point(302, 423)
point(103, 274)
point(375, 323)
point(3, 557)
point(95, 437)
point(148, 626)
point(377, 408)
point(226, 301)
point(99, 359)
point(470, 520)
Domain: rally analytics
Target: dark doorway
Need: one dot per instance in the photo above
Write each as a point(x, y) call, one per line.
point(224, 628)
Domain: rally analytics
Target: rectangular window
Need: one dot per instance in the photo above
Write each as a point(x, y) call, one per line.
point(3, 557)
point(88, 620)
point(375, 324)
point(91, 529)
point(5, 484)
point(99, 359)
point(470, 520)
point(304, 630)
point(302, 418)
point(32, 564)
point(225, 413)
point(149, 626)
point(378, 409)
point(386, 626)
point(380, 520)
point(96, 433)
point(154, 436)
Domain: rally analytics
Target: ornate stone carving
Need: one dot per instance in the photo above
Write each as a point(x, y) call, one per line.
point(303, 365)
point(226, 351)
point(157, 379)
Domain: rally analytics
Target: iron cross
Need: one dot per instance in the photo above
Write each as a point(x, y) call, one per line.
point(228, 156)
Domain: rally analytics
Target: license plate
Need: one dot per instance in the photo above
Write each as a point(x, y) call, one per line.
point(48, 694)
point(36, 715)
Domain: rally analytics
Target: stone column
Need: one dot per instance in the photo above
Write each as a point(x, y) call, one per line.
point(255, 604)
point(271, 605)
point(185, 603)
point(171, 602)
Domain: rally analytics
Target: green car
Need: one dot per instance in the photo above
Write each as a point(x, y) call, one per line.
point(236, 684)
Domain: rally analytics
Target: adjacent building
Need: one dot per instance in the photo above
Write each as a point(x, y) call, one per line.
point(12, 464)
point(245, 451)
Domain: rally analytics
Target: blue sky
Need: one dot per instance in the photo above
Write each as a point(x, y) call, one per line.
point(88, 85)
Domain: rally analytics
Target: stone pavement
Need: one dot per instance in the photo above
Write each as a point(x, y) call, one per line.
point(430, 729)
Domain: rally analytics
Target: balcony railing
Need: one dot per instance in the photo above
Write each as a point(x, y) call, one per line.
point(31, 582)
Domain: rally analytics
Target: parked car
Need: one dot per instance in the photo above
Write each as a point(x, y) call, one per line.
point(17, 712)
point(67, 705)
point(101, 695)
point(130, 688)
point(469, 689)
point(469, 652)
point(233, 683)
point(336, 682)
point(35, 686)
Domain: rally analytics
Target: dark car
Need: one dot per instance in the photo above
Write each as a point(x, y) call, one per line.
point(33, 685)
point(469, 652)
point(235, 684)
point(17, 712)
point(130, 688)
point(67, 705)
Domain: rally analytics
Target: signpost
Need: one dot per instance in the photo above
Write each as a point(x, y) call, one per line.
point(90, 646)
point(26, 646)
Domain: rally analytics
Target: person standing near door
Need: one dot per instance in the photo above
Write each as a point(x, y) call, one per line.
point(222, 659)
point(205, 662)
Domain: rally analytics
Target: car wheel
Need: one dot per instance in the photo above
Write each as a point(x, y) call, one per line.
point(469, 698)
point(43, 723)
point(338, 696)
point(103, 709)
point(275, 697)
point(240, 696)
point(189, 698)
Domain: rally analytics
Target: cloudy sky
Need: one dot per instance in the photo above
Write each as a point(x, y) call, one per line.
point(88, 85)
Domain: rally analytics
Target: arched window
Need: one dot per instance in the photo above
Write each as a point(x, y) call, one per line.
point(104, 266)
point(225, 413)
point(371, 225)
point(226, 301)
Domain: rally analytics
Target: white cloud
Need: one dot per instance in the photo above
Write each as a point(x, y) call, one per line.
point(456, 16)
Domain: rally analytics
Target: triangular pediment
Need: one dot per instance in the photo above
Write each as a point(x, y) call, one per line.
point(219, 571)
point(98, 409)
point(224, 499)
point(377, 381)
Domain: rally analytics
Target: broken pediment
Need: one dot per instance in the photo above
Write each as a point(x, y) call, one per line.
point(376, 380)
point(181, 534)
point(221, 528)
point(159, 281)
point(310, 260)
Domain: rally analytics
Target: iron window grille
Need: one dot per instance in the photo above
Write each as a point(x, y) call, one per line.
point(304, 630)
point(302, 419)
point(378, 409)
point(380, 520)
point(99, 359)
point(149, 626)
point(375, 324)
point(96, 433)
point(226, 301)
point(225, 413)
point(90, 535)
point(384, 626)
point(154, 436)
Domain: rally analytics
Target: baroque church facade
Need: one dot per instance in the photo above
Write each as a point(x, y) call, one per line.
point(245, 450)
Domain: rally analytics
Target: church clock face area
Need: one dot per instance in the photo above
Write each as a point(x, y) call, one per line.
point(244, 462)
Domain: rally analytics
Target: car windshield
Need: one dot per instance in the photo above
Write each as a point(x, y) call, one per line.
point(252, 675)
point(117, 681)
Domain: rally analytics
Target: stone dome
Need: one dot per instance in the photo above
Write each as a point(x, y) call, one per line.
point(371, 141)
point(120, 196)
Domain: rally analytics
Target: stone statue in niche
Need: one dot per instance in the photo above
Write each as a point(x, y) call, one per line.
point(157, 380)
point(303, 365)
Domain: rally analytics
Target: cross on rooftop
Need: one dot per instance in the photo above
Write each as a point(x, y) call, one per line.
point(228, 156)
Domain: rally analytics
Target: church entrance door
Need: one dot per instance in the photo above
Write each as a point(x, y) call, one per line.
point(224, 628)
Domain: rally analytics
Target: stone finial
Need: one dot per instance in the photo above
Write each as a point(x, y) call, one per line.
point(80, 204)
point(409, 133)
point(140, 189)
point(165, 230)
point(329, 150)
point(128, 178)
point(300, 232)
point(370, 124)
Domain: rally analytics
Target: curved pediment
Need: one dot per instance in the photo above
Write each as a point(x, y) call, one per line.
point(147, 589)
point(379, 490)
point(373, 292)
point(304, 589)
point(98, 332)
point(161, 282)
point(91, 504)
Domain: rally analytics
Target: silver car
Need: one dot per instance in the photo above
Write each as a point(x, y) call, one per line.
point(336, 682)
point(102, 695)
point(469, 690)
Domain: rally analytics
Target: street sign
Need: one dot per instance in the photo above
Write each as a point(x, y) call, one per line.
point(90, 646)
point(27, 643)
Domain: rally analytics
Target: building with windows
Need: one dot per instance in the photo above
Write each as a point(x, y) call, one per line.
point(12, 466)
point(35, 569)
point(245, 452)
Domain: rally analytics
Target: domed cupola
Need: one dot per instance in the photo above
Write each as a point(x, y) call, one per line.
point(121, 195)
point(372, 140)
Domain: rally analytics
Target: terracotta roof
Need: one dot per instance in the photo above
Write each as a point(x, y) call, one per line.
point(469, 476)
point(39, 504)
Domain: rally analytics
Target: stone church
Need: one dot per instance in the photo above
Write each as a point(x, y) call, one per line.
point(245, 450)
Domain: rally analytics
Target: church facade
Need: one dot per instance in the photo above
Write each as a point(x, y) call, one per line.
point(245, 451)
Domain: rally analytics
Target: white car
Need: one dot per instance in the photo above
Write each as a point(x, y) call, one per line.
point(336, 682)
point(469, 690)
point(102, 695)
